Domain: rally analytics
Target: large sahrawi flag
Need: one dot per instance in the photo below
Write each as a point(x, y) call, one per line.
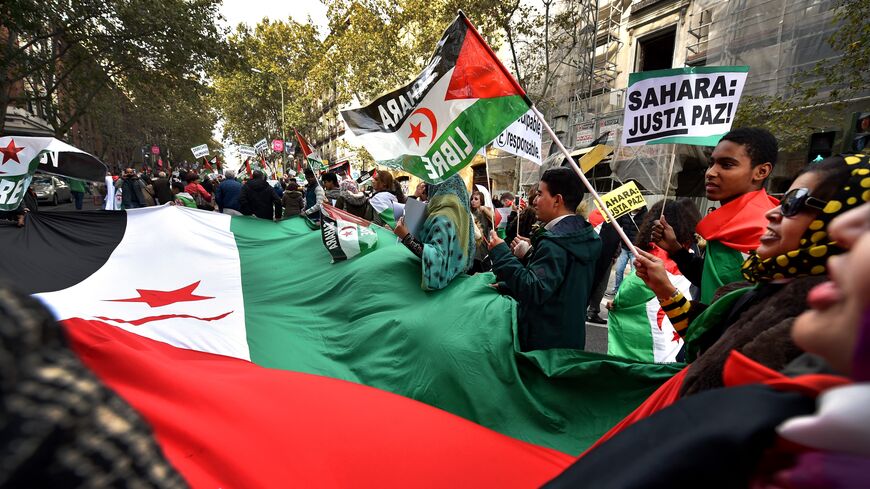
point(212, 301)
point(433, 126)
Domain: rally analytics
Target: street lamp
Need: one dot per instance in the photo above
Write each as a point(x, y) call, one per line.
point(280, 86)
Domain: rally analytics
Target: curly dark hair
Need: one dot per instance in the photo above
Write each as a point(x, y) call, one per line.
point(761, 145)
point(682, 215)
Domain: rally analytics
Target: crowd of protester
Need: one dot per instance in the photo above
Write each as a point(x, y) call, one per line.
point(774, 310)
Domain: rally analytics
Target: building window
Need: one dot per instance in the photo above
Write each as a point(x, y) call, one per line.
point(656, 52)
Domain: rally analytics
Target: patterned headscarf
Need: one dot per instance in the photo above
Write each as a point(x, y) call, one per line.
point(815, 244)
point(440, 203)
point(349, 185)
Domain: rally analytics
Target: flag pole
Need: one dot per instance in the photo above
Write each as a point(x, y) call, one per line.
point(519, 189)
point(668, 180)
point(588, 185)
point(489, 187)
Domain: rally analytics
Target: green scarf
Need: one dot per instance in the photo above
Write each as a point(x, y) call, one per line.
point(815, 244)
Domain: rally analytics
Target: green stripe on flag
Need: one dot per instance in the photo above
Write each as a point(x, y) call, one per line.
point(453, 349)
point(689, 70)
point(475, 127)
point(628, 329)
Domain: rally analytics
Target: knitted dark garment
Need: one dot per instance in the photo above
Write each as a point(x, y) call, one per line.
point(59, 426)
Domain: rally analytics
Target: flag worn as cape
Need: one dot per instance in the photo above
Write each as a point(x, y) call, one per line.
point(311, 156)
point(731, 230)
point(217, 293)
point(382, 203)
point(433, 126)
point(637, 327)
point(740, 223)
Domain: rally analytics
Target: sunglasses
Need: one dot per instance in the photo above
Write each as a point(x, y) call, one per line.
point(794, 201)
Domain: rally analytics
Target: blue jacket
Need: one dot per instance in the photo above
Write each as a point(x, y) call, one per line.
point(227, 194)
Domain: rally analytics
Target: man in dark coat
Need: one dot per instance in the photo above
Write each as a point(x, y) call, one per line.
point(258, 197)
point(161, 189)
point(552, 287)
point(228, 193)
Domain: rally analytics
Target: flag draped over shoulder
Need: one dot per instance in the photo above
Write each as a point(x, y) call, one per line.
point(637, 327)
point(731, 230)
point(218, 313)
point(433, 126)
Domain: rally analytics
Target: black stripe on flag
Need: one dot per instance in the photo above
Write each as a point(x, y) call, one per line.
point(56, 250)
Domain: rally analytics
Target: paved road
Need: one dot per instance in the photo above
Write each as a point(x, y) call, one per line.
point(87, 205)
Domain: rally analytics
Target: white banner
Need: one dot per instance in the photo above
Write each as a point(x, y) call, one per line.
point(200, 151)
point(246, 150)
point(522, 138)
point(694, 105)
point(261, 145)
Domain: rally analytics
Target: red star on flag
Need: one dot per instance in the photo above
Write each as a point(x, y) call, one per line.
point(676, 337)
point(159, 298)
point(416, 133)
point(10, 152)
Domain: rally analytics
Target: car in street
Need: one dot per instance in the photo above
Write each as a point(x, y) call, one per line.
point(51, 189)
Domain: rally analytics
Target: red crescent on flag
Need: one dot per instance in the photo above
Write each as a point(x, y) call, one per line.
point(432, 121)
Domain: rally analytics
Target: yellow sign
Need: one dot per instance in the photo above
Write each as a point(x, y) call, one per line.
point(594, 157)
point(622, 200)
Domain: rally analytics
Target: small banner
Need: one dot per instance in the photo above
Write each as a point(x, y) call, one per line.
point(345, 235)
point(200, 151)
point(261, 145)
point(522, 138)
point(622, 200)
point(693, 105)
point(247, 151)
point(278, 145)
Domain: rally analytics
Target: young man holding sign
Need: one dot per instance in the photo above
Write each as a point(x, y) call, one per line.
point(740, 164)
point(553, 285)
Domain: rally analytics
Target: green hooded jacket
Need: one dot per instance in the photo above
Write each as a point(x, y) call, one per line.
point(553, 287)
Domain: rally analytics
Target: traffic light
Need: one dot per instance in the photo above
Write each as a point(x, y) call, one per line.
point(821, 145)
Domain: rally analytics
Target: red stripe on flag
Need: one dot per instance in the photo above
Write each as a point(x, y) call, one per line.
point(225, 422)
point(303, 145)
point(337, 213)
point(479, 73)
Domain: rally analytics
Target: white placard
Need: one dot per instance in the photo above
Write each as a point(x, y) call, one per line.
point(246, 150)
point(200, 151)
point(522, 138)
point(261, 145)
point(693, 105)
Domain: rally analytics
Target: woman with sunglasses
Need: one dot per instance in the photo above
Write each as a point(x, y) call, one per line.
point(755, 318)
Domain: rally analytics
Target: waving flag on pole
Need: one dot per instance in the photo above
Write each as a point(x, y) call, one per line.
point(311, 156)
point(433, 126)
point(21, 157)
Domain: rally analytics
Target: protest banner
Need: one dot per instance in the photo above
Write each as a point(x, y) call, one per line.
point(278, 145)
point(693, 105)
point(522, 138)
point(200, 151)
point(246, 150)
point(622, 200)
point(261, 145)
